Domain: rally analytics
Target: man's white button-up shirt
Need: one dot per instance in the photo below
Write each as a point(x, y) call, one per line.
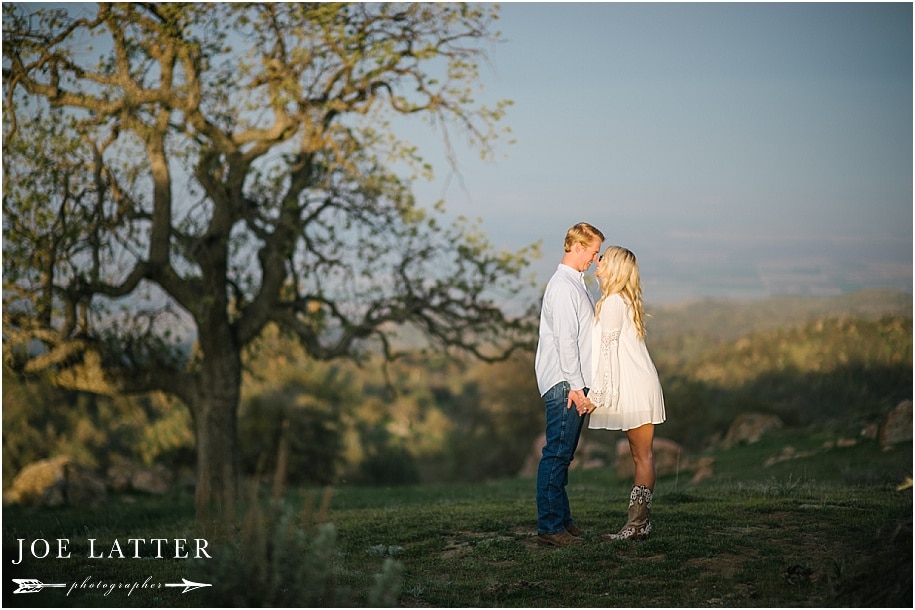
point(566, 324)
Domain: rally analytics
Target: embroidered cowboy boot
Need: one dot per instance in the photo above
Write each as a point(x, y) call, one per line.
point(638, 525)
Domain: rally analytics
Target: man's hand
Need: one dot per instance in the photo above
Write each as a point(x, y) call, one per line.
point(582, 403)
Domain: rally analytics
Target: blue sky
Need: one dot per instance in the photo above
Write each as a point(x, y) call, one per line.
point(740, 150)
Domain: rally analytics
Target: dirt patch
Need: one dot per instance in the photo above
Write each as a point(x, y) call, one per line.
point(726, 565)
point(460, 542)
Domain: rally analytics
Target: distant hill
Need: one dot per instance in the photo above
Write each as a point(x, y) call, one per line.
point(718, 319)
point(807, 360)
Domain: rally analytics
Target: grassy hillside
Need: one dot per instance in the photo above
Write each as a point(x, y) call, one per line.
point(827, 370)
point(826, 529)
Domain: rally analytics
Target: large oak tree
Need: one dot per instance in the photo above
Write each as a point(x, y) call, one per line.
point(216, 168)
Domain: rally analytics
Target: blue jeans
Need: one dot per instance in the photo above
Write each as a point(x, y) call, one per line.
point(563, 429)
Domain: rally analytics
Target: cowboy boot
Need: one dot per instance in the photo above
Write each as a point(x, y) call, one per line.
point(638, 526)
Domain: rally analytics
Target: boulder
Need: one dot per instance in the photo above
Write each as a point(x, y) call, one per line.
point(669, 458)
point(84, 488)
point(529, 469)
point(54, 482)
point(897, 425)
point(119, 474)
point(40, 482)
point(154, 480)
point(591, 453)
point(870, 432)
point(704, 468)
point(125, 475)
point(749, 428)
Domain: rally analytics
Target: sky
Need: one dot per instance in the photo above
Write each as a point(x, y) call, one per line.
point(739, 150)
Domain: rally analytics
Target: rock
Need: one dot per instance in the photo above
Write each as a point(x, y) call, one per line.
point(84, 488)
point(669, 458)
point(749, 428)
point(119, 474)
point(705, 468)
point(897, 425)
point(870, 432)
point(125, 475)
point(533, 457)
point(790, 453)
point(40, 483)
point(155, 480)
point(591, 453)
point(54, 482)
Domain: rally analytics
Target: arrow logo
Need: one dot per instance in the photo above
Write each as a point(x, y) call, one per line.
point(31, 585)
point(188, 585)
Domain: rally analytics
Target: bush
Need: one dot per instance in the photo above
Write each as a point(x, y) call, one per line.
point(881, 578)
point(388, 465)
point(292, 431)
point(275, 560)
point(41, 420)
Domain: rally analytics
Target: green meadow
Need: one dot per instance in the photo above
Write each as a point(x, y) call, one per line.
point(828, 528)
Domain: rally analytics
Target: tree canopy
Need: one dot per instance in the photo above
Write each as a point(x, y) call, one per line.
point(203, 170)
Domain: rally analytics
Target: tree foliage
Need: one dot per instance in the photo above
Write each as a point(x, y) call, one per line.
point(204, 170)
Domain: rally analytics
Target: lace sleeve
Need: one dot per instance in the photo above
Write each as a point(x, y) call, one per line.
point(606, 391)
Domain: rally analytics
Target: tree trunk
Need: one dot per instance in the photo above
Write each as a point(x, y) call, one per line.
point(216, 425)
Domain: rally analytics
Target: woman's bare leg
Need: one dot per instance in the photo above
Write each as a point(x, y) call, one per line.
point(640, 444)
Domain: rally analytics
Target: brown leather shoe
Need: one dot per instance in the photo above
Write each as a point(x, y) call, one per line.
point(574, 530)
point(562, 538)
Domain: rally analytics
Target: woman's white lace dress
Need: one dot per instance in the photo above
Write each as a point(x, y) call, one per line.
point(626, 389)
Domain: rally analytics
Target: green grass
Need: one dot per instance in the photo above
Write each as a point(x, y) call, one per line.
point(825, 529)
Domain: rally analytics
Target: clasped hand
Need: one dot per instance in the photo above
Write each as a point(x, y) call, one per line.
point(581, 402)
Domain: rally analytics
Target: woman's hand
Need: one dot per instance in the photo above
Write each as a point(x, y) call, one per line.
point(582, 403)
point(586, 407)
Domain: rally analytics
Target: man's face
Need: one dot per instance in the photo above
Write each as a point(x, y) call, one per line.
point(585, 255)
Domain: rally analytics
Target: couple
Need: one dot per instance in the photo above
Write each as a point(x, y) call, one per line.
point(592, 359)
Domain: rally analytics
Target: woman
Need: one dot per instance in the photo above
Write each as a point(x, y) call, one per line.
point(627, 392)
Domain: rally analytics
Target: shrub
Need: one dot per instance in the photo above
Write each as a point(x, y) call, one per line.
point(275, 560)
point(292, 426)
point(387, 465)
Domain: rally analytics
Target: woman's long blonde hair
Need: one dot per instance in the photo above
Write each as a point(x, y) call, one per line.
point(619, 272)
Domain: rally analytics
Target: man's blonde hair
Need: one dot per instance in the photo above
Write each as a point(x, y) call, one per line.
point(582, 233)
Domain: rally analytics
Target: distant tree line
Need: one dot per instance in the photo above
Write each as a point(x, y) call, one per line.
point(429, 418)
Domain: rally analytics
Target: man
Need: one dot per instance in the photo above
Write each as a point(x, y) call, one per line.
point(563, 368)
